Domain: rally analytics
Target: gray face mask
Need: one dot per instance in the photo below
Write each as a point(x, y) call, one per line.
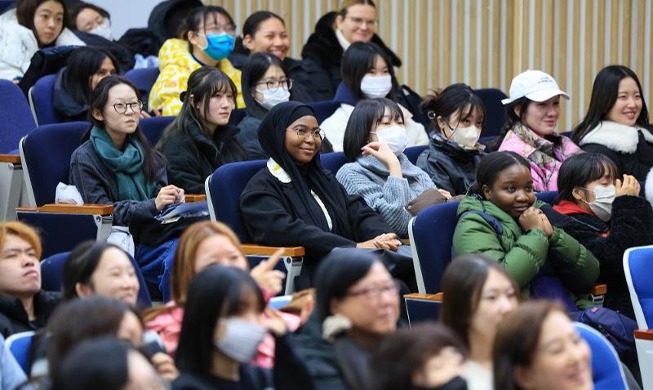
point(602, 204)
point(241, 339)
point(103, 30)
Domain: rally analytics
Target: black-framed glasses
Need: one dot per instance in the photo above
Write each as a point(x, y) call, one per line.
point(273, 85)
point(121, 108)
point(304, 133)
point(373, 292)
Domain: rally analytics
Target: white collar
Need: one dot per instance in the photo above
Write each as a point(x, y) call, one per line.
point(278, 172)
point(342, 40)
point(617, 137)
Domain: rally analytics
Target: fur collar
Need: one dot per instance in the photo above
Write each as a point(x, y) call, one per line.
point(617, 137)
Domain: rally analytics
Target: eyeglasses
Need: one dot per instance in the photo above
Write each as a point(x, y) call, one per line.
point(273, 85)
point(361, 21)
point(374, 292)
point(217, 28)
point(303, 133)
point(121, 108)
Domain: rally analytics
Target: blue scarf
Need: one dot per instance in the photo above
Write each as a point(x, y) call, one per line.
point(127, 165)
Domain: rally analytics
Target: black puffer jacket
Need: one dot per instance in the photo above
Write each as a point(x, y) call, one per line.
point(325, 51)
point(14, 318)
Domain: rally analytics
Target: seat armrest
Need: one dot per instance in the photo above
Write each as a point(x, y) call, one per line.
point(192, 198)
point(10, 158)
point(251, 249)
point(644, 334)
point(425, 297)
point(65, 208)
point(599, 289)
point(423, 307)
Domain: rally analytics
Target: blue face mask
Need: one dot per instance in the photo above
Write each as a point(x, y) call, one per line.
point(219, 46)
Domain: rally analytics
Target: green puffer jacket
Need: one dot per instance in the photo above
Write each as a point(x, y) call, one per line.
point(524, 253)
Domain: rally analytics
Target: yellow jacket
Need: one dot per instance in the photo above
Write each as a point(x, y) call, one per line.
point(176, 64)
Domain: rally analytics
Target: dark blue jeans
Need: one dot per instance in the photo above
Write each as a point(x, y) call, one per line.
point(156, 263)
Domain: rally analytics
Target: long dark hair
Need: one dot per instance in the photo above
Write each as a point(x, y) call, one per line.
point(491, 167)
point(99, 98)
point(367, 114)
point(25, 10)
point(581, 169)
point(203, 83)
point(253, 71)
point(604, 94)
point(82, 64)
point(215, 292)
point(457, 98)
point(462, 284)
point(358, 59)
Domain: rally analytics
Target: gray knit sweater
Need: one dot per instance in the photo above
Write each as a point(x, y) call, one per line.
point(387, 195)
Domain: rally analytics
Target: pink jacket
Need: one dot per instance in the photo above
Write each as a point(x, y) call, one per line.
point(545, 157)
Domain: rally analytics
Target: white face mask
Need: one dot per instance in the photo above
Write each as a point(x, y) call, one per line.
point(466, 136)
point(103, 29)
point(394, 136)
point(376, 86)
point(273, 97)
point(241, 339)
point(602, 204)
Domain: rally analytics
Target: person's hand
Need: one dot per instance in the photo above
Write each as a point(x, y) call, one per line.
point(165, 366)
point(387, 241)
point(168, 195)
point(629, 186)
point(533, 218)
point(445, 193)
point(266, 276)
point(382, 152)
point(273, 322)
point(144, 114)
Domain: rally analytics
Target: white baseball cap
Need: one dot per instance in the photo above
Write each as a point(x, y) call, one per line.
point(535, 85)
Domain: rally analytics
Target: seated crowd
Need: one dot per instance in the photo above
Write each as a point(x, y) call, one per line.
point(523, 267)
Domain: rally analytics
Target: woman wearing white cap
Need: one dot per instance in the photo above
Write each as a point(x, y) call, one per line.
point(533, 109)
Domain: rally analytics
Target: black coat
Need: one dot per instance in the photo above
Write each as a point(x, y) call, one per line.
point(451, 167)
point(637, 164)
point(14, 319)
point(631, 225)
point(274, 215)
point(65, 106)
point(192, 157)
point(326, 52)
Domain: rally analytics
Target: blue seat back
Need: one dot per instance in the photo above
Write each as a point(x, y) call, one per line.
point(223, 189)
point(607, 371)
point(414, 151)
point(638, 272)
point(16, 119)
point(52, 277)
point(46, 155)
point(324, 109)
point(41, 96)
point(144, 79)
point(333, 161)
point(431, 237)
point(153, 127)
point(547, 196)
point(495, 110)
point(20, 344)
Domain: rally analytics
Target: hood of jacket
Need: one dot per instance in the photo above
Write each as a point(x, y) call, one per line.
point(166, 17)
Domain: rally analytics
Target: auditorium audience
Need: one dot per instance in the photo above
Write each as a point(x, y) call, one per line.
point(206, 37)
point(201, 139)
point(533, 109)
point(23, 305)
point(366, 74)
point(454, 152)
point(379, 171)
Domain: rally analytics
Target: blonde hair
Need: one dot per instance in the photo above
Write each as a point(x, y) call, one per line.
point(22, 231)
point(184, 266)
point(344, 6)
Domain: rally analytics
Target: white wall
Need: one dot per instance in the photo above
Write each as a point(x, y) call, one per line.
point(126, 14)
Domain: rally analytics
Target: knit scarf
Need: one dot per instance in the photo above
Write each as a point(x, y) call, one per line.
point(127, 165)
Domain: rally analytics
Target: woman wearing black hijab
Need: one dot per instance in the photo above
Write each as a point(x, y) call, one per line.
point(294, 202)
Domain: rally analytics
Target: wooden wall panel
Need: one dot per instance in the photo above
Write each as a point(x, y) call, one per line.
point(486, 42)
